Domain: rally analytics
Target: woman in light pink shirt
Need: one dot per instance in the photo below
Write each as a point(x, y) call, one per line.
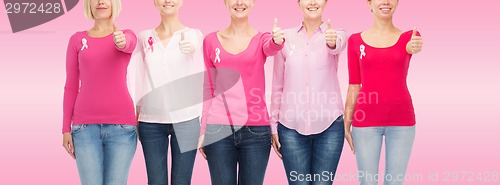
point(306, 103)
point(235, 135)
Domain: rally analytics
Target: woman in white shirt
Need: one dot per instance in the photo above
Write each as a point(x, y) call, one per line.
point(169, 79)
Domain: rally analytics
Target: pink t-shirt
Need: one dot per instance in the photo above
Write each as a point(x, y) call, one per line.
point(384, 99)
point(96, 84)
point(234, 86)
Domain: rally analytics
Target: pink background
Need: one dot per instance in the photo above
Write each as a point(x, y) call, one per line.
point(454, 83)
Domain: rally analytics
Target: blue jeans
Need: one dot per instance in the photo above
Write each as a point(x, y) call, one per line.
point(315, 156)
point(368, 144)
point(183, 143)
point(246, 148)
point(104, 152)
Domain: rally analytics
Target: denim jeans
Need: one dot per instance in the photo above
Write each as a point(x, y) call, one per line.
point(183, 143)
point(368, 144)
point(104, 152)
point(237, 155)
point(315, 156)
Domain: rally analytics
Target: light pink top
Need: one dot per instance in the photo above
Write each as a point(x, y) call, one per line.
point(96, 81)
point(306, 93)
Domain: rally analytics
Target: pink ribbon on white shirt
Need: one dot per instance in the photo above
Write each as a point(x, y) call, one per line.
point(151, 41)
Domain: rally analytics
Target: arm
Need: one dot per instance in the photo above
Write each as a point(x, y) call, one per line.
point(208, 86)
point(277, 90)
point(276, 99)
point(130, 43)
point(71, 89)
point(414, 46)
point(208, 94)
point(270, 48)
point(137, 76)
point(340, 43)
point(190, 43)
point(72, 86)
point(352, 96)
point(353, 90)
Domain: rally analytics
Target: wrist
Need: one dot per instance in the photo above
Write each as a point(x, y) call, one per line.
point(274, 41)
point(332, 46)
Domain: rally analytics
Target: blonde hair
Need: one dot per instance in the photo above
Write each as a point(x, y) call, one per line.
point(116, 7)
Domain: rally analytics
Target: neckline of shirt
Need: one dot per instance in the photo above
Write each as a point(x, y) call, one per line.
point(175, 32)
point(156, 37)
point(389, 47)
point(322, 28)
point(87, 34)
point(244, 51)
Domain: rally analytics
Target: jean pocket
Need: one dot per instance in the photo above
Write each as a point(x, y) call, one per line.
point(259, 130)
point(213, 129)
point(339, 120)
point(76, 128)
point(127, 127)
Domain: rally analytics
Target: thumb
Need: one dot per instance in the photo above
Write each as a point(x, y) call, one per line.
point(182, 36)
point(329, 23)
point(414, 31)
point(275, 23)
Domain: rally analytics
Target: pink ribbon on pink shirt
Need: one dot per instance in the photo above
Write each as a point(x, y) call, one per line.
point(84, 43)
point(150, 41)
point(217, 55)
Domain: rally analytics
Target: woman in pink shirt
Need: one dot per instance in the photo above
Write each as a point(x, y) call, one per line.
point(378, 101)
point(99, 125)
point(235, 135)
point(306, 104)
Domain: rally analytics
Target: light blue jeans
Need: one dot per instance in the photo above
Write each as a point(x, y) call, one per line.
point(368, 145)
point(104, 152)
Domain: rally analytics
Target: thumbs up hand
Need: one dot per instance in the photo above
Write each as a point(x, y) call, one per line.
point(330, 36)
point(119, 38)
point(414, 46)
point(185, 45)
point(278, 34)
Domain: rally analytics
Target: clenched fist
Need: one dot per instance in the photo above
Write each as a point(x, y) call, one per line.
point(331, 36)
point(278, 34)
point(119, 38)
point(414, 46)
